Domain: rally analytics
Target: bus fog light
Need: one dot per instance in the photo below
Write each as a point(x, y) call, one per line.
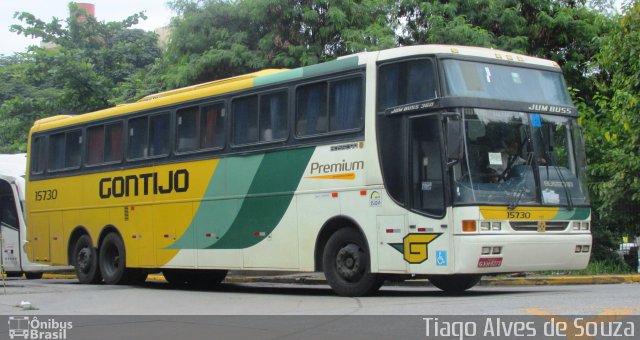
point(486, 250)
point(485, 226)
point(585, 249)
point(576, 225)
point(496, 226)
point(584, 225)
point(496, 250)
point(578, 249)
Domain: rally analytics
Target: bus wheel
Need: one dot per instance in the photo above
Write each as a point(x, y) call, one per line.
point(454, 284)
point(33, 275)
point(346, 264)
point(85, 260)
point(113, 262)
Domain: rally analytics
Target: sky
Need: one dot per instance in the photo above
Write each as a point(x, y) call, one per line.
point(157, 12)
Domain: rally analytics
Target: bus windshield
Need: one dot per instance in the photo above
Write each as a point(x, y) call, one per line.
point(517, 158)
point(485, 80)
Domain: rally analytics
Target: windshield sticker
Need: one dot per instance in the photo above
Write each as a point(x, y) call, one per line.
point(427, 186)
point(550, 196)
point(495, 158)
point(535, 120)
point(515, 77)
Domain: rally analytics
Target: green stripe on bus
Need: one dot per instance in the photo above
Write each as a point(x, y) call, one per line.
point(575, 214)
point(269, 198)
point(221, 202)
point(330, 67)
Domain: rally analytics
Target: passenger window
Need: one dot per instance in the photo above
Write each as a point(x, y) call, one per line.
point(245, 120)
point(311, 118)
point(212, 126)
point(346, 105)
point(273, 116)
point(38, 155)
point(137, 138)
point(405, 82)
point(187, 129)
point(113, 142)
point(65, 150)
point(95, 145)
point(159, 135)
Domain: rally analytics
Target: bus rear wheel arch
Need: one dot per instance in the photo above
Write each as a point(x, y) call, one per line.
point(347, 264)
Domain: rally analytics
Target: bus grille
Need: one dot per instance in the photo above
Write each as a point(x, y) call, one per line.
point(533, 226)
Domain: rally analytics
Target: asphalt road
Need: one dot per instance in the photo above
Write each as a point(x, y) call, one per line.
point(67, 297)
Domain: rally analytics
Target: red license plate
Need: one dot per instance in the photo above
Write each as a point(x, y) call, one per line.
point(490, 262)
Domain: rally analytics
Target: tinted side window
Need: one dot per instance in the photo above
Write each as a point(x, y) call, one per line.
point(346, 106)
point(273, 116)
point(245, 120)
point(187, 129)
point(311, 113)
point(159, 135)
point(95, 145)
point(406, 82)
point(65, 150)
point(137, 138)
point(212, 126)
point(38, 155)
point(113, 142)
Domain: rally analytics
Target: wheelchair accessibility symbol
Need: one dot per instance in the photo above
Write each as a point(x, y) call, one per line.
point(441, 258)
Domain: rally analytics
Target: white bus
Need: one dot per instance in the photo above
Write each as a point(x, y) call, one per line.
point(448, 162)
point(13, 231)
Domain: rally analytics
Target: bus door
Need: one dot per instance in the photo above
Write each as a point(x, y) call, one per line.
point(9, 228)
point(429, 226)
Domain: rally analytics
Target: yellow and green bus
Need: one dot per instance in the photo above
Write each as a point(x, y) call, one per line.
point(446, 162)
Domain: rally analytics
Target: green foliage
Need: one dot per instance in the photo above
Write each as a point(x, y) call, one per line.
point(80, 71)
point(219, 38)
point(611, 129)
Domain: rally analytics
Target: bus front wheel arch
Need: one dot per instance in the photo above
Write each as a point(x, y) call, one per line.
point(346, 264)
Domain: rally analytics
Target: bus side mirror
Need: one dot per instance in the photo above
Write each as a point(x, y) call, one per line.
point(454, 142)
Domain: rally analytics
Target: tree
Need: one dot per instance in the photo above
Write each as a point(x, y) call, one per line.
point(80, 71)
point(611, 128)
point(218, 38)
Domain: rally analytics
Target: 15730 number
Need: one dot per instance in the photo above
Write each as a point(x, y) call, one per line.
point(518, 214)
point(46, 195)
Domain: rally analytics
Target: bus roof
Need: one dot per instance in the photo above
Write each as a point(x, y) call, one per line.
point(269, 76)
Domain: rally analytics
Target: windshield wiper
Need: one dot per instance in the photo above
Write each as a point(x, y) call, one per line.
point(515, 201)
point(562, 179)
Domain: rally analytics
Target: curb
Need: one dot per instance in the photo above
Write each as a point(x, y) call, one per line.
point(318, 279)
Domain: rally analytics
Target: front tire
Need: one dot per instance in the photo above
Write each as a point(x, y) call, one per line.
point(113, 260)
point(454, 284)
point(346, 264)
point(85, 260)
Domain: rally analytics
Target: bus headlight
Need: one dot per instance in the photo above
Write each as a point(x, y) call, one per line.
point(496, 226)
point(485, 226)
point(584, 225)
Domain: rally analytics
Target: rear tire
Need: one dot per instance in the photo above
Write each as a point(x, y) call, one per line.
point(455, 284)
point(346, 264)
point(85, 260)
point(113, 260)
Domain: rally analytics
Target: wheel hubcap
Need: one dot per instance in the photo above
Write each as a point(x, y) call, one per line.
point(83, 260)
point(349, 262)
